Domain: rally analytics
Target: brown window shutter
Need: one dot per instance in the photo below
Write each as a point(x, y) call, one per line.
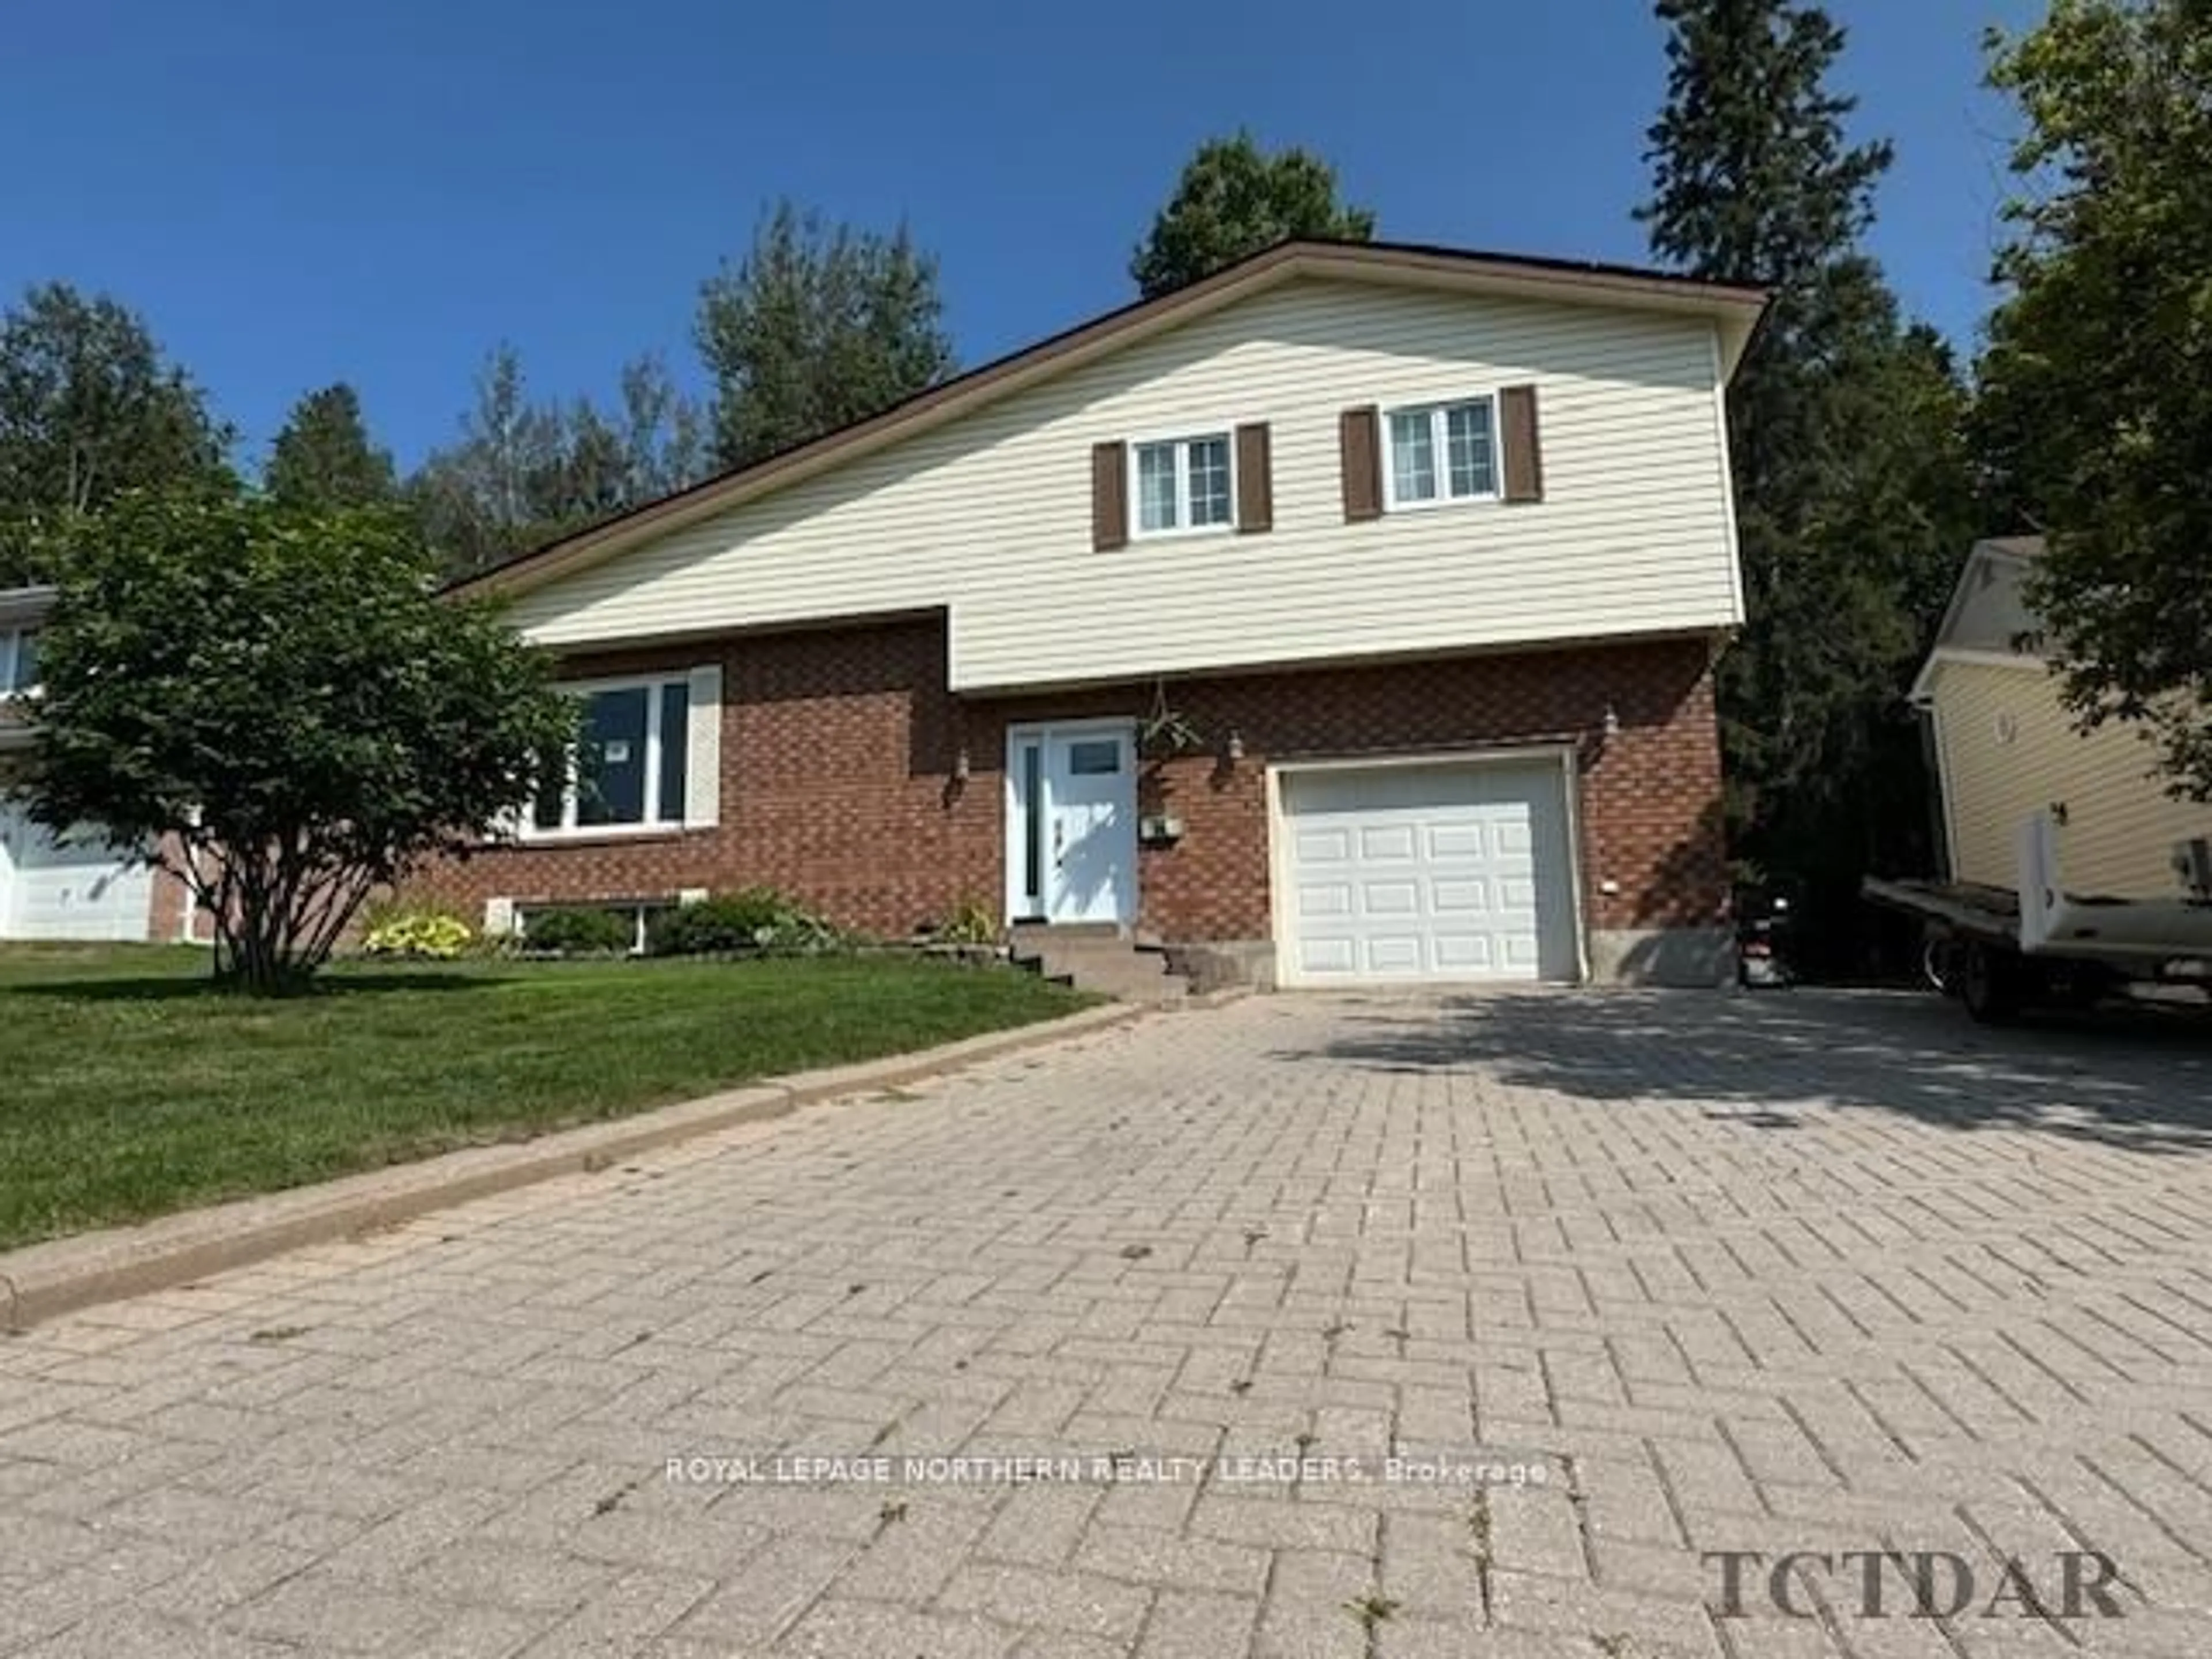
point(1255, 480)
point(1359, 434)
point(1524, 449)
point(1109, 496)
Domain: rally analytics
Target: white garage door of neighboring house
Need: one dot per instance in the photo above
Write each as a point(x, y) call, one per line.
point(72, 889)
point(1410, 873)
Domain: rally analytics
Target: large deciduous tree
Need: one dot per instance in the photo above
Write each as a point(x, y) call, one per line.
point(818, 326)
point(90, 407)
point(279, 703)
point(323, 457)
point(2097, 380)
point(1234, 199)
point(1847, 426)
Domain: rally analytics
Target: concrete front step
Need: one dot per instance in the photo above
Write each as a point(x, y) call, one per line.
point(1083, 934)
point(1097, 957)
point(1125, 984)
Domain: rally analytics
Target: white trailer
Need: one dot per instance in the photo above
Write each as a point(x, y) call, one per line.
point(2070, 867)
point(1999, 949)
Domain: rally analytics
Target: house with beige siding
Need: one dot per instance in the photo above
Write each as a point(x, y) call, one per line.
point(1350, 614)
point(2006, 750)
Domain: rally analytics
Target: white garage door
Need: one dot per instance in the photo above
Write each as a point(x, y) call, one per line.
point(1414, 873)
point(71, 890)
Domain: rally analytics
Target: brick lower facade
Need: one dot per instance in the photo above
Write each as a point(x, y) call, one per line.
point(839, 782)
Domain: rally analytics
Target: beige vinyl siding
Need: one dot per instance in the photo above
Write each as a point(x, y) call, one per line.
point(989, 516)
point(2120, 824)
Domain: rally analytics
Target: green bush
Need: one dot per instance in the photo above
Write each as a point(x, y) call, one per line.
point(753, 919)
point(578, 933)
point(425, 934)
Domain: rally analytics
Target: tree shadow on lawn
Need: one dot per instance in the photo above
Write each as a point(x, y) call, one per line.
point(321, 990)
point(2138, 1077)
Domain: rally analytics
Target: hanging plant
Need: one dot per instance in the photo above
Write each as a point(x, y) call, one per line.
point(1166, 731)
point(1170, 734)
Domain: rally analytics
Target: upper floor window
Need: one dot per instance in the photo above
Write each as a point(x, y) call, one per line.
point(1442, 453)
point(19, 660)
point(630, 762)
point(1185, 483)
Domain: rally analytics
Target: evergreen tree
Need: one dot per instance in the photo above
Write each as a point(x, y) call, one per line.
point(1853, 499)
point(817, 327)
point(323, 458)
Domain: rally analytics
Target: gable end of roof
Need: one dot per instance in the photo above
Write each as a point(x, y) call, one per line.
point(1735, 309)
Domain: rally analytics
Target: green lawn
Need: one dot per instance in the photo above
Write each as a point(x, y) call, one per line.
point(128, 1088)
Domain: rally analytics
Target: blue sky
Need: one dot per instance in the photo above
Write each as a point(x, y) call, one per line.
point(295, 193)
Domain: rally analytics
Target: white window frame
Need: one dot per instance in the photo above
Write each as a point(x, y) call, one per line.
point(1440, 443)
point(654, 823)
point(1225, 435)
point(12, 649)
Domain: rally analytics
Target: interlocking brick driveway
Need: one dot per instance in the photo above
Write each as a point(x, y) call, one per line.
point(1814, 1271)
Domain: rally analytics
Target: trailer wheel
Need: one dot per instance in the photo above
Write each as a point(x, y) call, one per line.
point(1988, 983)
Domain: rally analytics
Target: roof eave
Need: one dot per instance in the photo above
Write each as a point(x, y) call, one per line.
point(2003, 549)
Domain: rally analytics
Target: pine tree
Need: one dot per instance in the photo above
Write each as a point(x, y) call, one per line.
point(323, 458)
point(1847, 430)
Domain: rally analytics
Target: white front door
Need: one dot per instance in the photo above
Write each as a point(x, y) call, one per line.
point(1072, 823)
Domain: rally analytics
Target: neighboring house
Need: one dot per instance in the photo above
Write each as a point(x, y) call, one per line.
point(72, 887)
point(2005, 749)
point(1428, 553)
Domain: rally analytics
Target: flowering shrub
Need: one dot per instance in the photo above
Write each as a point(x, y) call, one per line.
point(427, 935)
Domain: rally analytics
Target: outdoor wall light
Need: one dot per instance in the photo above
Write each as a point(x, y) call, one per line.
point(1612, 721)
point(1236, 748)
point(961, 765)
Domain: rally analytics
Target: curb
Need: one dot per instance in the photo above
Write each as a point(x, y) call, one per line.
point(1221, 997)
point(62, 1275)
